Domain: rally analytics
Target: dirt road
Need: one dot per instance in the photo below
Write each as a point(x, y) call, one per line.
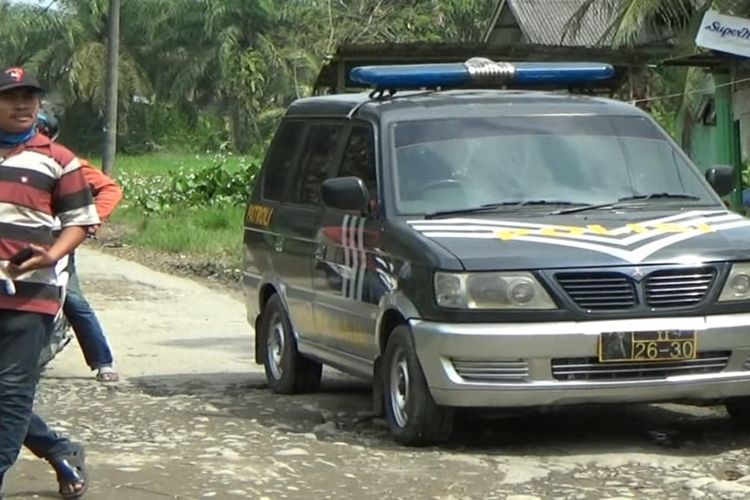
point(192, 419)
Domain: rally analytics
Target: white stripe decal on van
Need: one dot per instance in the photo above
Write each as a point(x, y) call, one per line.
point(362, 258)
point(355, 257)
point(347, 256)
point(632, 242)
point(352, 245)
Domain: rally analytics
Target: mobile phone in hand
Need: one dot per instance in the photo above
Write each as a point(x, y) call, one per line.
point(21, 256)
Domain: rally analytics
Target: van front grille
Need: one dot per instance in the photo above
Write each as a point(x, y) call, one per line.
point(678, 287)
point(617, 291)
point(568, 369)
point(599, 291)
point(513, 370)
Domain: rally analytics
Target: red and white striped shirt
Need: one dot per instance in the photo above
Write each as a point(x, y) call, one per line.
point(39, 181)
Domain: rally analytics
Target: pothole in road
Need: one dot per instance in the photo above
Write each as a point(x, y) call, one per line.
point(118, 288)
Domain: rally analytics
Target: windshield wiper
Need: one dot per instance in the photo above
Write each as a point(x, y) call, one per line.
point(488, 207)
point(621, 201)
point(652, 196)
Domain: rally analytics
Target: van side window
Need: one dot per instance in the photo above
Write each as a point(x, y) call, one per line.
point(359, 158)
point(280, 159)
point(318, 154)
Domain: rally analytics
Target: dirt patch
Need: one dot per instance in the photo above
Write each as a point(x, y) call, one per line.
point(119, 288)
point(212, 271)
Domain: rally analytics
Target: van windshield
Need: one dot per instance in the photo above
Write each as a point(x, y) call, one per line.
point(457, 164)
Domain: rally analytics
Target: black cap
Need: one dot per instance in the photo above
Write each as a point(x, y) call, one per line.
point(13, 78)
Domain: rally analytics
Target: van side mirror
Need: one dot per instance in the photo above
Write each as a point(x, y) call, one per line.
point(721, 178)
point(346, 193)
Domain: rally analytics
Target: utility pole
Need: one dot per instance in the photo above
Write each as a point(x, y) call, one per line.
point(110, 114)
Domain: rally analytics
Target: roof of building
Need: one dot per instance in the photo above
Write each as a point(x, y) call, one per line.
point(548, 22)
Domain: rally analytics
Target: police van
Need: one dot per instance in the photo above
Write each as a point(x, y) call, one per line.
point(463, 247)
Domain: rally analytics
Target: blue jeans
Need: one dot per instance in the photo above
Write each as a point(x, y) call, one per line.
point(22, 336)
point(85, 324)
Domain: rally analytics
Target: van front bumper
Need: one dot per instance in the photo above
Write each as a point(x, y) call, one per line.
point(539, 364)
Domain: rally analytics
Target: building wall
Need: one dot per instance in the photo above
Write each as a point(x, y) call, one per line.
point(741, 109)
point(720, 115)
point(703, 148)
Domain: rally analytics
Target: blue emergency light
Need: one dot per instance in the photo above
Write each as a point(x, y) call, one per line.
point(480, 71)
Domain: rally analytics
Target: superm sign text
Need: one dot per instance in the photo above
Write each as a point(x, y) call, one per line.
point(716, 27)
point(724, 33)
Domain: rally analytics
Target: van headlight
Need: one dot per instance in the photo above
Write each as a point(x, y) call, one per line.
point(737, 286)
point(516, 290)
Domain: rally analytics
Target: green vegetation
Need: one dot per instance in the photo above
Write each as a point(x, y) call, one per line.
point(160, 163)
point(192, 184)
point(197, 74)
point(186, 203)
point(214, 233)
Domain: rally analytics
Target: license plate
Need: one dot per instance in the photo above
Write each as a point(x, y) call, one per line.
point(661, 345)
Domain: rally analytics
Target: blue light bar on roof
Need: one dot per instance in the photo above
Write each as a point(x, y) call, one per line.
point(480, 71)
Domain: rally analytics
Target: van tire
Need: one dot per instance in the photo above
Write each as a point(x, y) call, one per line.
point(739, 410)
point(412, 414)
point(287, 371)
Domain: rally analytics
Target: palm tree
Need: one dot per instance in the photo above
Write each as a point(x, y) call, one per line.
point(24, 28)
point(631, 19)
point(234, 63)
point(72, 58)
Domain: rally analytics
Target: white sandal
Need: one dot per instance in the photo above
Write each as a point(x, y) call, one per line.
point(107, 374)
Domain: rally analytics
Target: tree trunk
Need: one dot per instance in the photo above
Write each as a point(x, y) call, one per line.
point(240, 140)
point(113, 49)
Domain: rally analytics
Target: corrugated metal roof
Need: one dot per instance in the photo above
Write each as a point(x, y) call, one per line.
point(546, 22)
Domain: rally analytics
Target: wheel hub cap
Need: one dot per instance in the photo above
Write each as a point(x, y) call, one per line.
point(399, 388)
point(275, 349)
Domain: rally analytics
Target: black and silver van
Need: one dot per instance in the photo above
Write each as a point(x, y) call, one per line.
point(494, 248)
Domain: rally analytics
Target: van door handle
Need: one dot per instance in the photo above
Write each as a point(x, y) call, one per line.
point(320, 252)
point(278, 245)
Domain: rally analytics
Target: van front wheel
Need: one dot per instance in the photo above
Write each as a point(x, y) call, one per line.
point(287, 371)
point(413, 416)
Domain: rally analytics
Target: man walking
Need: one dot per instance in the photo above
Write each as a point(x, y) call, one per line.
point(39, 181)
point(89, 332)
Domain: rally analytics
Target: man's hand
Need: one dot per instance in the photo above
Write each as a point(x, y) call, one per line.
point(40, 260)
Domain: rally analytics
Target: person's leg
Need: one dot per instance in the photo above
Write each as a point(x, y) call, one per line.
point(65, 457)
point(44, 442)
point(86, 325)
point(22, 336)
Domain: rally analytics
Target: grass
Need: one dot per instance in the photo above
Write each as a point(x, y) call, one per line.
point(207, 233)
point(160, 163)
point(214, 233)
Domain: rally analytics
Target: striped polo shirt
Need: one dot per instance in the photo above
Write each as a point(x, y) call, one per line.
point(39, 182)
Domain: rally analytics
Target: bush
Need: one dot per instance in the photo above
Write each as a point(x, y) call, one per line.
point(213, 185)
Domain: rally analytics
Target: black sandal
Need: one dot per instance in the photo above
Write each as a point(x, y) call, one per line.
point(71, 473)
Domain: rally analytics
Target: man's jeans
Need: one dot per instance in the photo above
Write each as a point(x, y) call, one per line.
point(85, 324)
point(22, 336)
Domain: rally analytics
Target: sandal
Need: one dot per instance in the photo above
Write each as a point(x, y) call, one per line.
point(107, 375)
point(72, 477)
